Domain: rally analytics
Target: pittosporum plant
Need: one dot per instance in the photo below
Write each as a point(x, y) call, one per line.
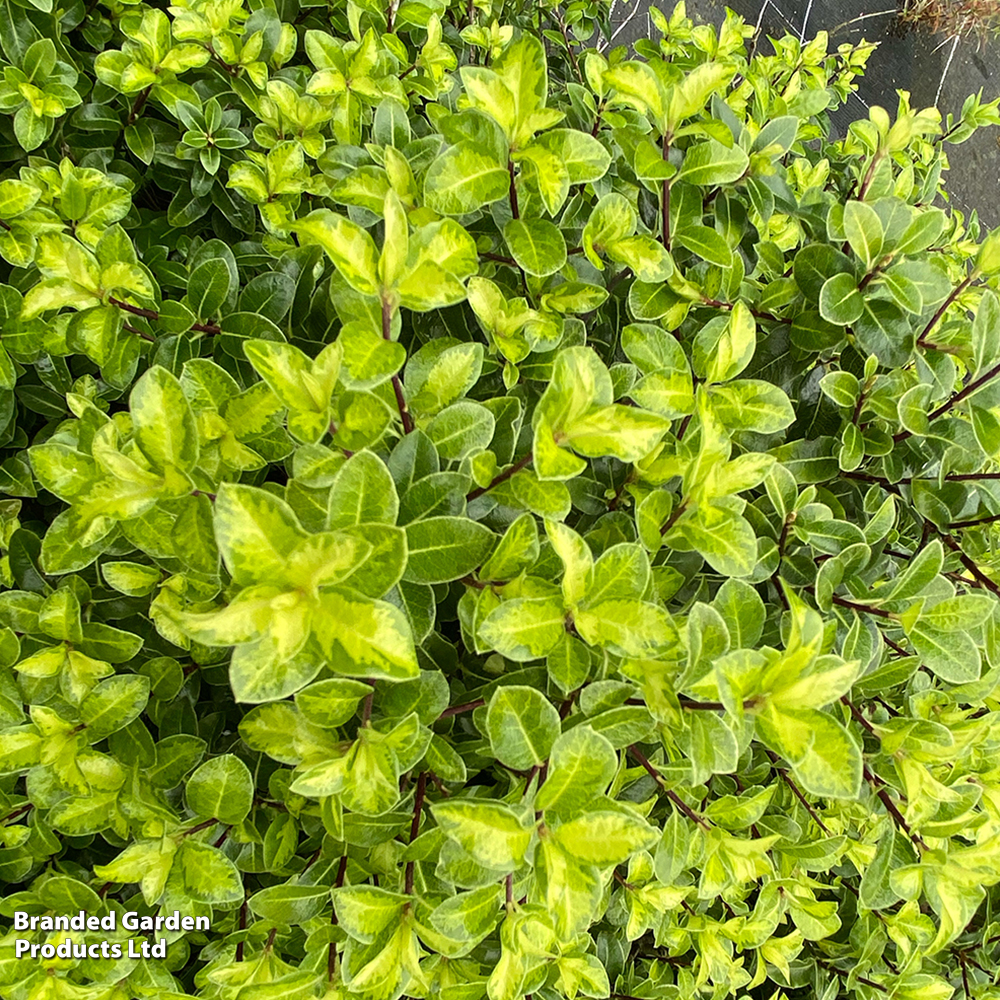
point(487, 518)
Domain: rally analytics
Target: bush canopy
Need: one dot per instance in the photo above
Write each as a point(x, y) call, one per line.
point(487, 518)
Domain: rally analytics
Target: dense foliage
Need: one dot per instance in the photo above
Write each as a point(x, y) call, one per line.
point(488, 518)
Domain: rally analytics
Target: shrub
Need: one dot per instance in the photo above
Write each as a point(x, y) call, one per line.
point(489, 518)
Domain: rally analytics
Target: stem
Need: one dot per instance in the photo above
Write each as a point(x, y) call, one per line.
point(966, 392)
point(972, 386)
point(397, 385)
point(139, 104)
point(200, 827)
point(894, 646)
point(134, 310)
point(671, 794)
point(897, 816)
point(669, 523)
point(975, 522)
point(870, 173)
point(860, 979)
point(961, 287)
point(796, 791)
point(331, 952)
point(138, 332)
point(965, 477)
point(866, 280)
point(509, 888)
point(756, 313)
point(501, 478)
point(210, 328)
point(863, 608)
point(469, 706)
point(243, 927)
point(418, 805)
point(499, 258)
point(366, 708)
point(989, 584)
point(569, 47)
point(858, 717)
point(665, 200)
point(269, 944)
point(513, 191)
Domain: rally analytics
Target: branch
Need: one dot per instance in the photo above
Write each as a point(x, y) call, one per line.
point(469, 706)
point(671, 794)
point(956, 291)
point(498, 258)
point(397, 386)
point(858, 717)
point(210, 328)
point(958, 477)
point(243, 926)
point(972, 387)
point(418, 805)
point(331, 953)
point(843, 602)
point(897, 816)
point(989, 584)
point(676, 513)
point(975, 522)
point(756, 313)
point(569, 47)
point(200, 827)
point(665, 200)
point(797, 792)
point(501, 478)
point(513, 191)
point(140, 103)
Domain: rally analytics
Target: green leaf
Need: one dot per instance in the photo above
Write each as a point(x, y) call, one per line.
point(463, 179)
point(362, 492)
point(221, 788)
point(840, 302)
point(113, 704)
point(709, 163)
point(706, 243)
point(537, 246)
point(445, 548)
point(581, 765)
point(164, 424)
point(491, 833)
point(724, 346)
point(207, 875)
point(863, 230)
point(350, 248)
point(365, 638)
point(332, 702)
point(524, 628)
point(723, 538)
point(461, 429)
point(604, 838)
point(522, 726)
point(825, 758)
point(256, 532)
point(290, 904)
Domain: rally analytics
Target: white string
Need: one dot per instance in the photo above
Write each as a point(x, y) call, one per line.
point(636, 8)
point(805, 22)
point(951, 54)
